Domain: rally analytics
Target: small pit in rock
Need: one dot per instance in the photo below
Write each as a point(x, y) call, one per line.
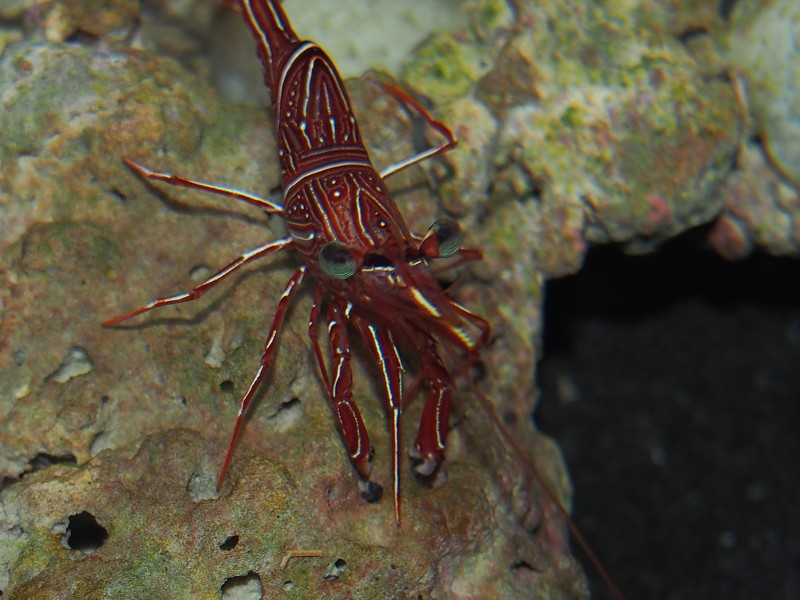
point(289, 413)
point(41, 461)
point(84, 533)
point(242, 587)
point(370, 491)
point(229, 543)
point(338, 567)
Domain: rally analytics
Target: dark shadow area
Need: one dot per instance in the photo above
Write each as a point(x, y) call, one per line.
point(229, 543)
point(672, 383)
point(84, 533)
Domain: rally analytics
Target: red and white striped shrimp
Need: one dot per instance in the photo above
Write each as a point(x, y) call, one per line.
point(372, 273)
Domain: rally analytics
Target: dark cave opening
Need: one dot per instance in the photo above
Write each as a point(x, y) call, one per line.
point(671, 382)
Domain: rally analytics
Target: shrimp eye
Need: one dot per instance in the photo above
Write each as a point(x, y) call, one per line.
point(336, 260)
point(448, 238)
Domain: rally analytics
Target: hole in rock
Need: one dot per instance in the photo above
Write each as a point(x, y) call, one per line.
point(289, 414)
point(691, 34)
point(242, 587)
point(229, 543)
point(84, 533)
point(118, 195)
point(336, 569)
point(41, 461)
point(522, 565)
point(291, 404)
point(370, 491)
